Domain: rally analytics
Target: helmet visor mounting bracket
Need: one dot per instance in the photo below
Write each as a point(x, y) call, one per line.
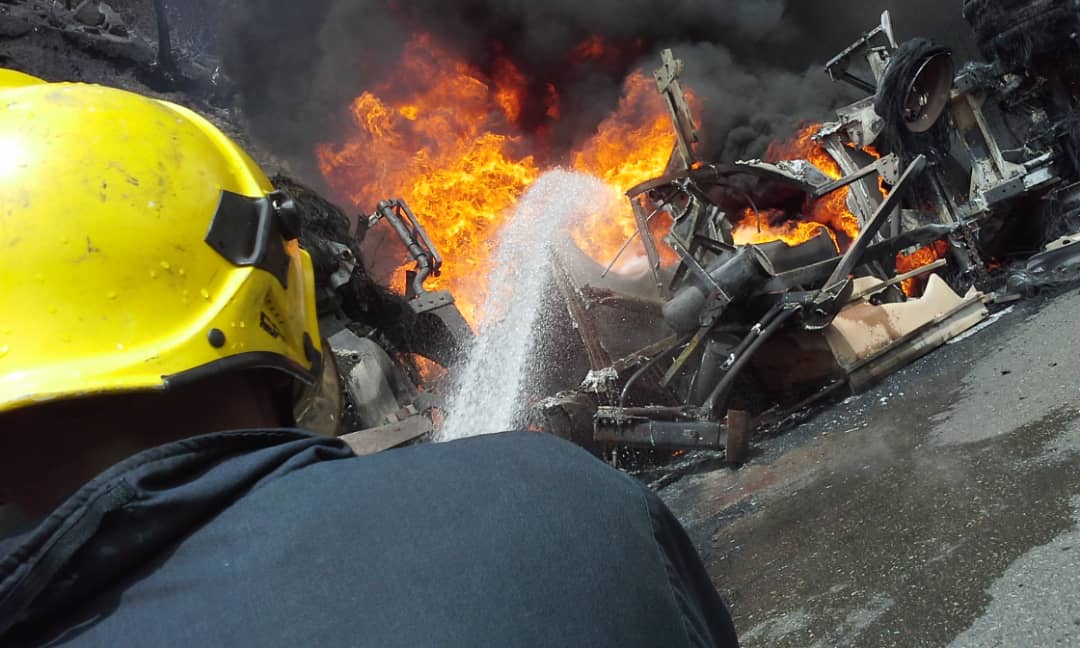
point(252, 231)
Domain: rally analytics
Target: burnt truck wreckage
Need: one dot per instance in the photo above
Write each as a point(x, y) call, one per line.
point(369, 391)
point(980, 163)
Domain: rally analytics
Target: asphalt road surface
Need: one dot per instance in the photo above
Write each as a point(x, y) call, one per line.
point(940, 508)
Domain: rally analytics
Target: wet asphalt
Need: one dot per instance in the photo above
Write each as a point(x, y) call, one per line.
point(939, 508)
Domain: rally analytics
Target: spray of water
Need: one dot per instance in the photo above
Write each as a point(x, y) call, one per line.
point(491, 390)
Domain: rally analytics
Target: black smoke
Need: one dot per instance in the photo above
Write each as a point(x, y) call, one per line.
point(755, 63)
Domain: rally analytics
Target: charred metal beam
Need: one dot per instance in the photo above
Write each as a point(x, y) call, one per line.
point(855, 253)
point(630, 239)
point(844, 75)
point(650, 246)
point(391, 435)
point(940, 263)
point(886, 166)
point(717, 173)
point(670, 434)
point(666, 345)
point(818, 311)
point(579, 313)
point(659, 412)
point(667, 83)
point(692, 263)
point(681, 361)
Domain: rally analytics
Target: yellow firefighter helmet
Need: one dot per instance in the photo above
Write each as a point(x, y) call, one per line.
point(139, 248)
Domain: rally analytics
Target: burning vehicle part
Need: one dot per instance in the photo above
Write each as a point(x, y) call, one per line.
point(369, 391)
point(791, 312)
point(798, 275)
point(436, 309)
point(768, 309)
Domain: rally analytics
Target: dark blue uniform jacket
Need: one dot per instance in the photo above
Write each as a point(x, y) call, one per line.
point(280, 538)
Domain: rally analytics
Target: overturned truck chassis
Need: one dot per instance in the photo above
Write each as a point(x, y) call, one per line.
point(981, 164)
point(695, 354)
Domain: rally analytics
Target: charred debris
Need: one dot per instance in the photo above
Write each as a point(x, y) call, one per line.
point(977, 165)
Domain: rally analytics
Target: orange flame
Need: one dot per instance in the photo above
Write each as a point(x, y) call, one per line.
point(443, 136)
point(446, 145)
point(428, 371)
point(829, 212)
point(632, 145)
point(773, 227)
point(923, 256)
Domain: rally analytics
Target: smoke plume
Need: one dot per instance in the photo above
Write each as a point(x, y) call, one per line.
point(756, 64)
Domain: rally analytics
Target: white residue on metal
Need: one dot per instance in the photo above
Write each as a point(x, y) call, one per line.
point(496, 378)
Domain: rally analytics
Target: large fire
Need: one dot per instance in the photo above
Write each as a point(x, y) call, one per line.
point(443, 135)
point(445, 145)
point(829, 213)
